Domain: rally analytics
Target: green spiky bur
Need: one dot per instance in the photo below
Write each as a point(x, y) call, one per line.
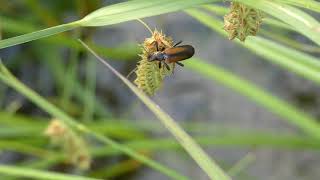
point(149, 76)
point(242, 21)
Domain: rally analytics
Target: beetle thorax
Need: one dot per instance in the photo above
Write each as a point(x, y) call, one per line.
point(158, 56)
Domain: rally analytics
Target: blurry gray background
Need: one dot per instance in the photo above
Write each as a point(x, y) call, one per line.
point(188, 96)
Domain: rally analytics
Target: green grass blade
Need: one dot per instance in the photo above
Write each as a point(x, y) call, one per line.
point(136, 9)
point(220, 10)
point(11, 81)
point(239, 139)
point(123, 52)
point(242, 164)
point(127, 150)
point(301, 21)
point(287, 41)
point(38, 174)
point(300, 17)
point(29, 149)
point(194, 150)
point(243, 139)
point(295, 61)
point(273, 104)
point(309, 65)
point(109, 15)
point(37, 35)
point(308, 4)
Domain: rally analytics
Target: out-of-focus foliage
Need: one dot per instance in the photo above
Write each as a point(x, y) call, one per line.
point(58, 68)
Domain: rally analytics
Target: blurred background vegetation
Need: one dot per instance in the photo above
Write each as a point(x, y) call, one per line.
point(252, 105)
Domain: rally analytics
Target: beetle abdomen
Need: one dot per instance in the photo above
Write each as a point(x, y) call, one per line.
point(179, 53)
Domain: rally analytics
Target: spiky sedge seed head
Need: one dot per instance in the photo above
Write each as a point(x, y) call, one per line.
point(242, 21)
point(72, 144)
point(149, 76)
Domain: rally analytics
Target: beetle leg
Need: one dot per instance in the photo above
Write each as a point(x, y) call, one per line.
point(167, 66)
point(173, 66)
point(159, 65)
point(180, 64)
point(177, 43)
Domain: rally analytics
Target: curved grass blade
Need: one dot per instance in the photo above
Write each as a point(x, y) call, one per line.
point(295, 61)
point(244, 139)
point(287, 41)
point(39, 174)
point(37, 35)
point(136, 9)
point(123, 52)
point(194, 150)
point(219, 10)
point(273, 104)
point(301, 21)
point(242, 164)
point(308, 4)
point(113, 14)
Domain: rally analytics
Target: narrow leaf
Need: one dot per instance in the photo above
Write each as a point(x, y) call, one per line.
point(113, 14)
point(38, 174)
point(292, 60)
point(301, 21)
point(273, 104)
point(135, 9)
point(37, 35)
point(308, 4)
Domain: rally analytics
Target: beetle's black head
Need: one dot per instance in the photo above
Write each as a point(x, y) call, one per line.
point(157, 56)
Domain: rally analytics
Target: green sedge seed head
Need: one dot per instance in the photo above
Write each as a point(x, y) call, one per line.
point(72, 144)
point(242, 21)
point(149, 76)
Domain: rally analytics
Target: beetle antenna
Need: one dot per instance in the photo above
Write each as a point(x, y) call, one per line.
point(167, 66)
point(177, 43)
point(145, 25)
